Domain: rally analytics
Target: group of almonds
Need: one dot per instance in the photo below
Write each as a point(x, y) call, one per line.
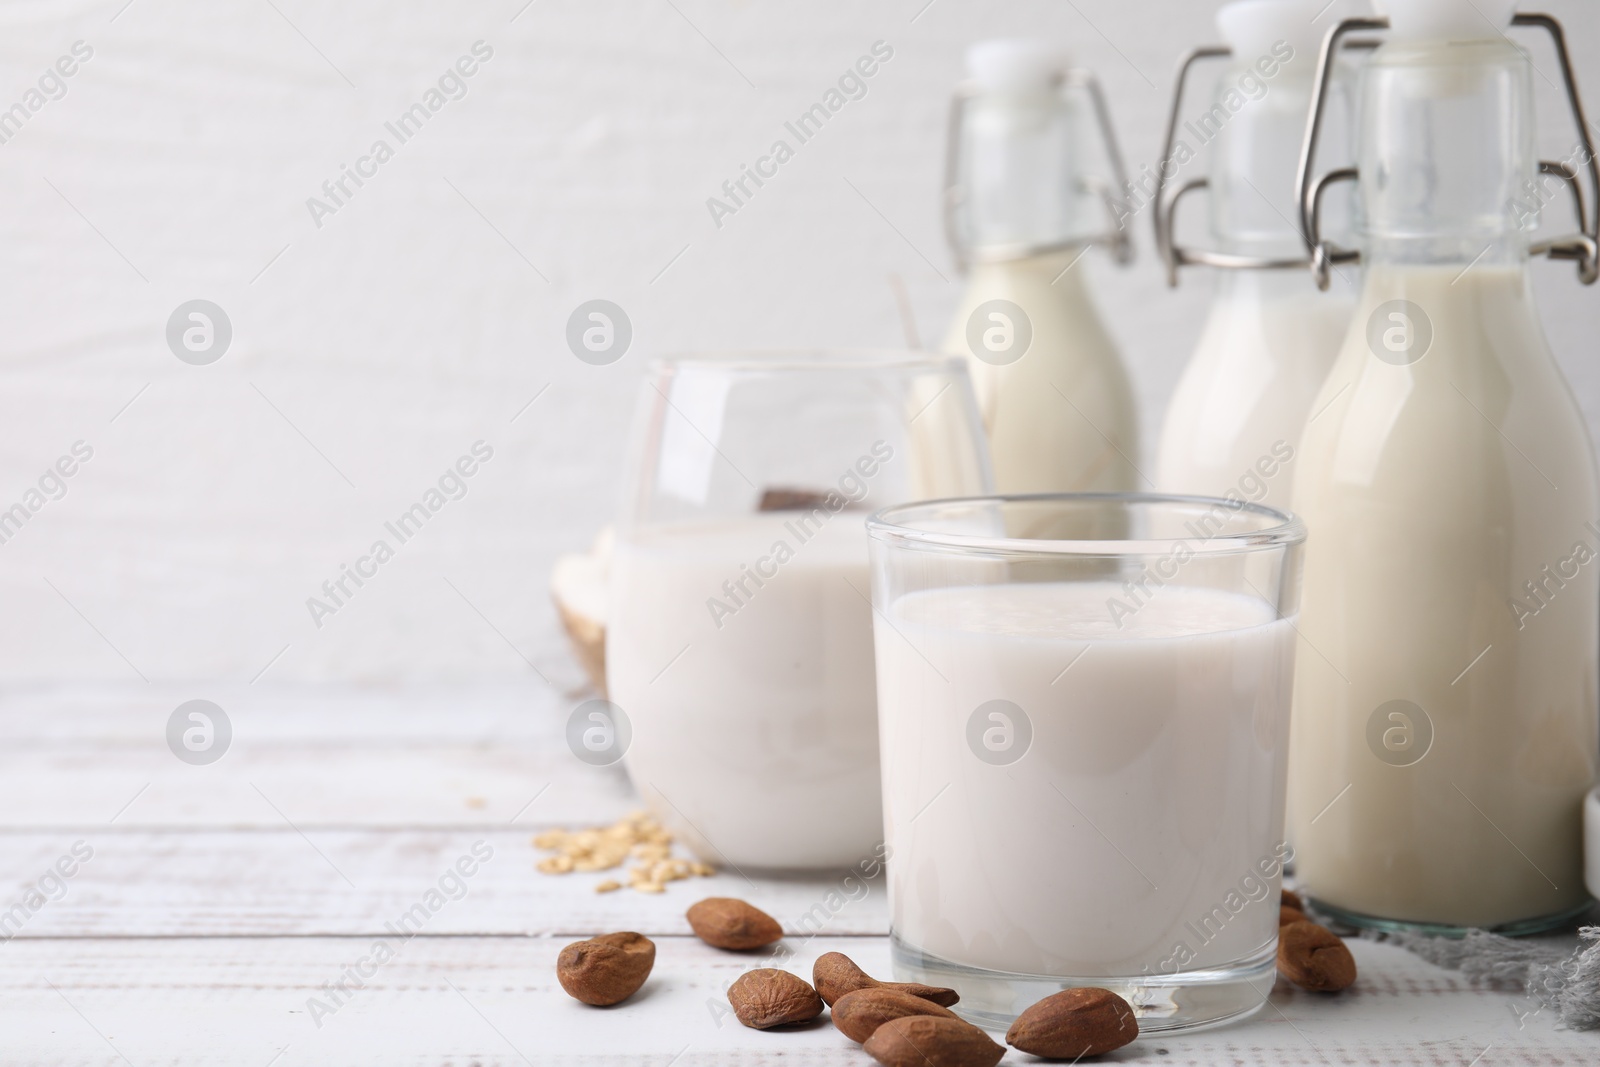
point(905, 1024)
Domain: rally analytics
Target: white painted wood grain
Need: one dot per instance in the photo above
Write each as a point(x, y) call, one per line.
point(201, 926)
point(495, 1002)
point(278, 883)
point(469, 755)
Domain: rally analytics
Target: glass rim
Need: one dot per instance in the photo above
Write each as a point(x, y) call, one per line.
point(896, 525)
point(757, 360)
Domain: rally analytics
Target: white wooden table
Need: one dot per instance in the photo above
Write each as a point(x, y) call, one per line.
point(220, 900)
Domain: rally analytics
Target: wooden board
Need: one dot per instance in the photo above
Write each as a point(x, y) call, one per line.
point(494, 1001)
point(223, 899)
point(276, 883)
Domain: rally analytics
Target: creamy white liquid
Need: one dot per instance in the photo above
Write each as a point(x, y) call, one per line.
point(755, 740)
point(1061, 418)
point(1141, 832)
point(1433, 493)
point(1235, 420)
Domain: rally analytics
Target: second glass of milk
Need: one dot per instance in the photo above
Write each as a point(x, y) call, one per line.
point(1083, 706)
point(739, 646)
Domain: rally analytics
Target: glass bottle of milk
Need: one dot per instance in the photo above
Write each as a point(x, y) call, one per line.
point(1022, 212)
point(1234, 422)
point(1444, 725)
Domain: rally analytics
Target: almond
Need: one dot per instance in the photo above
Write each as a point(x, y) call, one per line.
point(1313, 957)
point(606, 970)
point(1291, 899)
point(782, 499)
point(766, 998)
point(927, 1041)
point(723, 922)
point(859, 1014)
point(1074, 1023)
point(836, 974)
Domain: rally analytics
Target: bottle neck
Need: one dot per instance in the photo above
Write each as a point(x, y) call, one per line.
point(1064, 272)
point(1019, 163)
point(1254, 129)
point(1265, 285)
point(1447, 146)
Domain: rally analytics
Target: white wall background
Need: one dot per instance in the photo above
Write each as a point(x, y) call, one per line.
point(370, 353)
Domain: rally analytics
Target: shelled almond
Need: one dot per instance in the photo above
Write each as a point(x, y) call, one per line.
point(1315, 958)
point(606, 970)
point(733, 924)
point(857, 1015)
point(767, 997)
point(836, 974)
point(930, 1041)
point(1073, 1024)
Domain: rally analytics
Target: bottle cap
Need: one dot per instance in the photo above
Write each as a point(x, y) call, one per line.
point(1252, 27)
point(1448, 20)
point(1016, 65)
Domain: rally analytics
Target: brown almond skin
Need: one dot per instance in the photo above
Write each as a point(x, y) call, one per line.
point(1291, 899)
point(1313, 957)
point(606, 970)
point(836, 974)
point(1287, 915)
point(927, 1041)
point(859, 1014)
point(724, 922)
point(1073, 1024)
point(767, 997)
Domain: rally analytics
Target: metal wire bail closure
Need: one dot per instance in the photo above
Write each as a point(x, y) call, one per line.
point(1116, 238)
point(1166, 200)
point(1582, 247)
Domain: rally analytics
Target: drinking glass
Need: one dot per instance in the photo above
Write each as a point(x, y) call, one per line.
point(739, 651)
point(1083, 703)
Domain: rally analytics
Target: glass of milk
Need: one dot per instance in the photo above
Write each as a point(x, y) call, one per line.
point(739, 645)
point(1083, 706)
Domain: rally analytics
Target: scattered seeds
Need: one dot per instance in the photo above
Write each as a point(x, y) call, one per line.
point(639, 838)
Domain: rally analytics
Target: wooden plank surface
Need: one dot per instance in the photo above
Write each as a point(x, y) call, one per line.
point(277, 883)
point(218, 901)
point(494, 1001)
point(311, 756)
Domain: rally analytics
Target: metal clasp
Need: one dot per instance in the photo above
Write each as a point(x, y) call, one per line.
point(1166, 200)
point(1583, 247)
point(1116, 238)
